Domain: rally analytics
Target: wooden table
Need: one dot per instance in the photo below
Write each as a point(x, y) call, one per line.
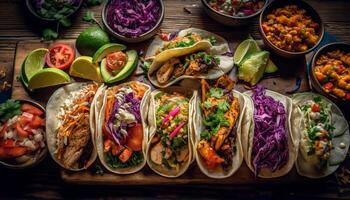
point(44, 181)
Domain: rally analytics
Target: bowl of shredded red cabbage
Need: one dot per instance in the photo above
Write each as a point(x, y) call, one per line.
point(270, 141)
point(133, 20)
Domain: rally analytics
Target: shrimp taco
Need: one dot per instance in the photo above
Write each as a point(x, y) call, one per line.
point(324, 133)
point(270, 142)
point(218, 141)
point(170, 150)
point(192, 53)
point(69, 131)
point(121, 133)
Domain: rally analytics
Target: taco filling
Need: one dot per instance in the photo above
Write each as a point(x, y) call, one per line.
point(317, 140)
point(169, 145)
point(181, 41)
point(190, 65)
point(74, 144)
point(122, 129)
point(270, 141)
point(220, 110)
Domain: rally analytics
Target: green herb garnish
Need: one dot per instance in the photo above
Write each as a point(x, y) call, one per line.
point(9, 109)
point(115, 162)
point(216, 92)
point(212, 39)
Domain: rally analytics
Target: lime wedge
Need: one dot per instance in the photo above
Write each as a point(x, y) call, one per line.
point(253, 68)
point(48, 77)
point(83, 67)
point(244, 50)
point(34, 62)
point(271, 67)
point(105, 50)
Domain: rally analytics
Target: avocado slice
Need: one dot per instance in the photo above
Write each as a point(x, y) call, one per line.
point(131, 63)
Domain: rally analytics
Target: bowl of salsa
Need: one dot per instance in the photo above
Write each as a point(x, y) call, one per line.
point(233, 12)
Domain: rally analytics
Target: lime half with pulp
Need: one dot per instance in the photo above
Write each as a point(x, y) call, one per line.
point(244, 50)
point(48, 77)
point(34, 62)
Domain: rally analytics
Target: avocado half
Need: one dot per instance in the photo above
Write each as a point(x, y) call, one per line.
point(109, 77)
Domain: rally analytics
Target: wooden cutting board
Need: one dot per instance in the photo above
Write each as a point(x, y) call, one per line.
point(284, 81)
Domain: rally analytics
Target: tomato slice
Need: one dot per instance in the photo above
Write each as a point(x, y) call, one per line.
point(31, 109)
point(60, 56)
point(116, 60)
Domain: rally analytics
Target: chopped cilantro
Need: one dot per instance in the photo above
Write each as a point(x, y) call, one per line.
point(207, 104)
point(212, 39)
point(216, 92)
point(9, 109)
point(223, 106)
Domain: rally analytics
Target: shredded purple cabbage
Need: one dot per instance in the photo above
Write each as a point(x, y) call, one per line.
point(132, 18)
point(134, 109)
point(270, 142)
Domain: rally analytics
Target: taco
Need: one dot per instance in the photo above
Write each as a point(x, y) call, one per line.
point(193, 53)
point(218, 148)
point(68, 130)
point(170, 150)
point(270, 144)
point(121, 134)
point(324, 133)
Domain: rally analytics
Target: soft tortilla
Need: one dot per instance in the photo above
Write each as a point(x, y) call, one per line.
point(307, 165)
point(248, 134)
point(238, 154)
point(99, 134)
point(221, 46)
point(52, 109)
point(152, 131)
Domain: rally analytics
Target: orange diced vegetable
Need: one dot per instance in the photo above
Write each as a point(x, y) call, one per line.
point(125, 155)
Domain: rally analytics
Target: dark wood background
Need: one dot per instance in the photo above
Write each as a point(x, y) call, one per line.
point(44, 182)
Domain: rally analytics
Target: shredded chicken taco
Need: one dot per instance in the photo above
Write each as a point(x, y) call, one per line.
point(325, 138)
point(270, 142)
point(218, 148)
point(170, 149)
point(191, 53)
point(121, 134)
point(68, 128)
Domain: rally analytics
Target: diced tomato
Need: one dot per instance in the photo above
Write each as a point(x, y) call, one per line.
point(31, 109)
point(20, 131)
point(315, 107)
point(164, 36)
point(125, 155)
point(135, 136)
point(265, 28)
point(37, 122)
point(3, 153)
point(23, 121)
point(328, 85)
point(8, 143)
point(3, 129)
point(320, 76)
point(16, 151)
point(60, 56)
point(117, 149)
point(347, 96)
point(107, 144)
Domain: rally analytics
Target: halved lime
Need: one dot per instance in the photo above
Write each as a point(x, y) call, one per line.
point(83, 67)
point(105, 50)
point(22, 76)
point(34, 62)
point(48, 77)
point(90, 40)
point(244, 50)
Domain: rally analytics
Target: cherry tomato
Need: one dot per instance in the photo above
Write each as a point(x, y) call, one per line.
point(31, 109)
point(116, 60)
point(60, 56)
point(315, 107)
point(328, 85)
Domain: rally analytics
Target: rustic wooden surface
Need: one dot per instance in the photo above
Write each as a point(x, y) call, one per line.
point(44, 180)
